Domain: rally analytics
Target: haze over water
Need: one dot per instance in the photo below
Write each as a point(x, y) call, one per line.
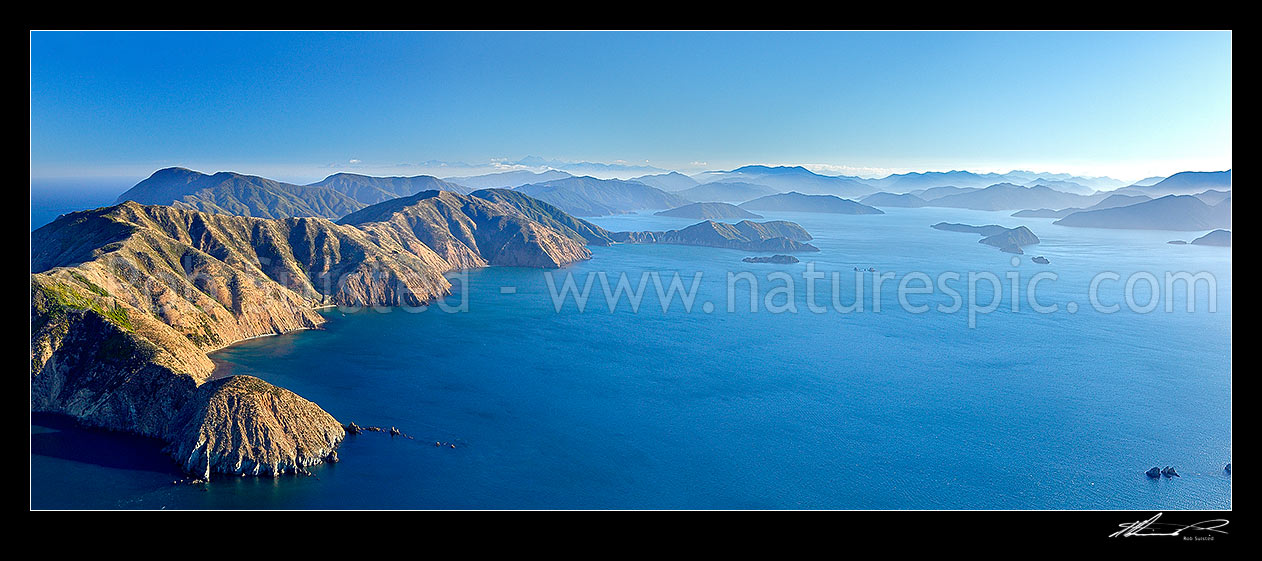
point(863, 410)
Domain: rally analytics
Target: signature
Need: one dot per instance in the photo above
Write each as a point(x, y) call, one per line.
point(1151, 527)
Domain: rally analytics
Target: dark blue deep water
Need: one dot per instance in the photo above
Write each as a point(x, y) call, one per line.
point(651, 409)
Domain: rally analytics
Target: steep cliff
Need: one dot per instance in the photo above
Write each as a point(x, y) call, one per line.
point(242, 424)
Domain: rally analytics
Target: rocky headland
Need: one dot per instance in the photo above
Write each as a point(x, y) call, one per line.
point(126, 302)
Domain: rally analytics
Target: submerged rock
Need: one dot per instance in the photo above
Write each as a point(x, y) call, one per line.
point(1227, 468)
point(1040, 260)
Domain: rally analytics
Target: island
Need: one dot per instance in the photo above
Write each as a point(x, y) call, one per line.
point(1008, 240)
point(775, 235)
point(778, 259)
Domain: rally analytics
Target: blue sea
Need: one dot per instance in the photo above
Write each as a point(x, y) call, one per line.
point(768, 408)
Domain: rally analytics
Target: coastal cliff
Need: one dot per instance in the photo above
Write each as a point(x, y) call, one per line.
point(127, 300)
point(242, 424)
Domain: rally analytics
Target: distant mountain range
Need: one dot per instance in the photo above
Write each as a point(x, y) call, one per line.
point(588, 196)
point(371, 190)
point(1184, 183)
point(791, 178)
point(726, 191)
point(754, 187)
point(1111, 201)
point(1006, 196)
point(1063, 186)
point(507, 179)
point(1171, 212)
point(673, 181)
point(799, 202)
point(709, 211)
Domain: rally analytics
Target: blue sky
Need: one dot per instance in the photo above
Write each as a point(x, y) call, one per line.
point(298, 106)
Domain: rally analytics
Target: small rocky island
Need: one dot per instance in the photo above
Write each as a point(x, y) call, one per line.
point(778, 259)
point(1040, 260)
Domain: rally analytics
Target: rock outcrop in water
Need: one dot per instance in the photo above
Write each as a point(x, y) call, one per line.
point(776, 235)
point(127, 300)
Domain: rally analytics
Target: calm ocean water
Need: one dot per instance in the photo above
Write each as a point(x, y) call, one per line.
point(862, 410)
